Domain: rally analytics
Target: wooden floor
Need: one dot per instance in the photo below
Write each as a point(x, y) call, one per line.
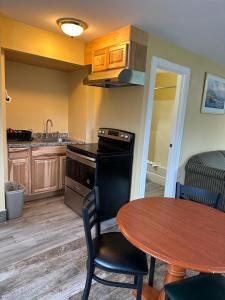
point(37, 252)
point(43, 256)
point(153, 189)
point(45, 224)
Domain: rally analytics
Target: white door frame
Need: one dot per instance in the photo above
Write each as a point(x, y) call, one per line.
point(178, 122)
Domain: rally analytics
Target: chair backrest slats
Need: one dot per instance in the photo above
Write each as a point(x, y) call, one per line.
point(199, 195)
point(90, 213)
point(90, 203)
point(93, 222)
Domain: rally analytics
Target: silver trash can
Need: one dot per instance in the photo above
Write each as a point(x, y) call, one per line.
point(14, 197)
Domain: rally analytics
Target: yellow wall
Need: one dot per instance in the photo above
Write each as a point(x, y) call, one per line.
point(202, 132)
point(93, 107)
point(125, 108)
point(162, 118)
point(21, 37)
point(18, 36)
point(37, 95)
point(3, 144)
point(77, 105)
point(117, 108)
point(162, 80)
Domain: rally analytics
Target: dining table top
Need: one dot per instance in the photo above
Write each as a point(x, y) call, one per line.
point(179, 232)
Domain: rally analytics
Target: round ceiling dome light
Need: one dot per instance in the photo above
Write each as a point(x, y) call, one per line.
point(72, 27)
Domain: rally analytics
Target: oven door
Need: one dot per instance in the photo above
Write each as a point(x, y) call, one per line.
point(80, 179)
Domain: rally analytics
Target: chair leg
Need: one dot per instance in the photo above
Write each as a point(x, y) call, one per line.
point(139, 286)
point(90, 272)
point(151, 272)
point(135, 279)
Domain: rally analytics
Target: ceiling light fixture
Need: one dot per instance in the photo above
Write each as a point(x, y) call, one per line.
point(72, 27)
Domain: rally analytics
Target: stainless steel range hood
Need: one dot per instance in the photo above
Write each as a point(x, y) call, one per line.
point(115, 78)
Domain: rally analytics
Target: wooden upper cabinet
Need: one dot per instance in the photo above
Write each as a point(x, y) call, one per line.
point(18, 167)
point(117, 56)
point(99, 60)
point(123, 48)
point(109, 58)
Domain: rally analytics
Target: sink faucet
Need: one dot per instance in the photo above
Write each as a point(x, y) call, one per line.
point(46, 125)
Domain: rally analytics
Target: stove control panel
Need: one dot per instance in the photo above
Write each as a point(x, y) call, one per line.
point(115, 134)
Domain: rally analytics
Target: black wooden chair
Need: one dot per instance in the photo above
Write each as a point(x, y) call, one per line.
point(151, 271)
point(198, 195)
point(110, 251)
point(204, 286)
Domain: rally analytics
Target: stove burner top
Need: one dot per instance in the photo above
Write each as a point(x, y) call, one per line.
point(93, 150)
point(111, 141)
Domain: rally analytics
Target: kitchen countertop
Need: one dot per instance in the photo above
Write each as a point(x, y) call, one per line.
point(36, 143)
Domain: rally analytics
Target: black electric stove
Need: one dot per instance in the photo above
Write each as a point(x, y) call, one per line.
point(107, 164)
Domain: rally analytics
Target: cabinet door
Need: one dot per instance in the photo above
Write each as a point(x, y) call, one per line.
point(117, 56)
point(99, 60)
point(19, 172)
point(62, 172)
point(45, 174)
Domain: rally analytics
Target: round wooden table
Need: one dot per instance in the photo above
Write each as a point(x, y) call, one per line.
point(182, 233)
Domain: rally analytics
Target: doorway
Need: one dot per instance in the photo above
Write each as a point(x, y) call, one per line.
point(164, 127)
point(161, 131)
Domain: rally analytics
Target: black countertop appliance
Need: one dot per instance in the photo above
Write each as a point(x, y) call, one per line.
point(107, 164)
point(19, 135)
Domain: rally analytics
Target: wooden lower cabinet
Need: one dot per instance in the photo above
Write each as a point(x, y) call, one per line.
point(18, 166)
point(39, 170)
point(62, 172)
point(45, 174)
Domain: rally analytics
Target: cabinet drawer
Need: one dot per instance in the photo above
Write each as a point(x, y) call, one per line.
point(15, 153)
point(117, 56)
point(48, 151)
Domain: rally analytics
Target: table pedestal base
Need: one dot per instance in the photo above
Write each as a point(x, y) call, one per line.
point(148, 293)
point(174, 273)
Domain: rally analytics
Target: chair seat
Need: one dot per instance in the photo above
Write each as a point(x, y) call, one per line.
point(205, 286)
point(113, 252)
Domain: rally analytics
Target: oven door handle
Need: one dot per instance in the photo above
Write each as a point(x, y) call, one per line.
point(72, 154)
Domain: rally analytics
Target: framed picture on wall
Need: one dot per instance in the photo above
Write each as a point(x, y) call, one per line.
point(214, 95)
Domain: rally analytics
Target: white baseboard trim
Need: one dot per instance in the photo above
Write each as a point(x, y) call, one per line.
point(156, 173)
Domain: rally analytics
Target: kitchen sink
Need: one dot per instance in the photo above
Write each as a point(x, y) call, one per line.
point(52, 140)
